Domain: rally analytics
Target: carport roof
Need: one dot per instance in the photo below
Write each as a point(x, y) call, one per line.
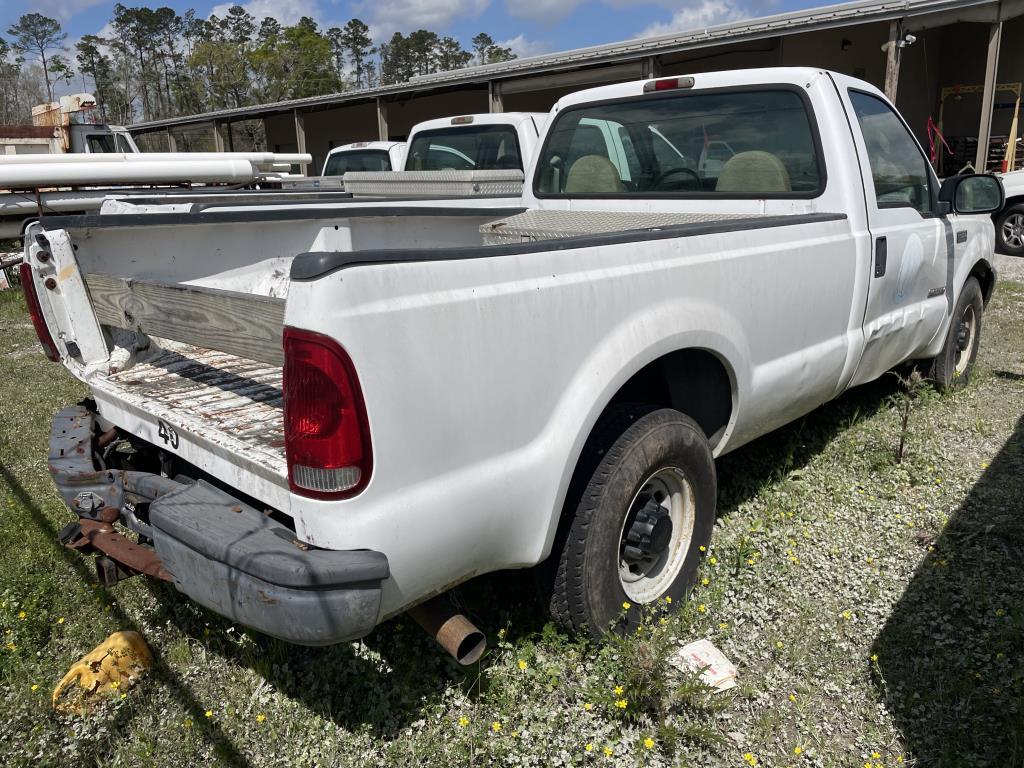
point(918, 13)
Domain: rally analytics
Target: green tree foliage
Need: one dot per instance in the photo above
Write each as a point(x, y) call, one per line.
point(158, 63)
point(486, 51)
point(35, 35)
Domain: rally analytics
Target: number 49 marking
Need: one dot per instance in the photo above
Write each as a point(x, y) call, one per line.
point(168, 434)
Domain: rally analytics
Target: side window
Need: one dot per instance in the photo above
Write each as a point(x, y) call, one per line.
point(900, 173)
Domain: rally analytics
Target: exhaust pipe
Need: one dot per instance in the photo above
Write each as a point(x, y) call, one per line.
point(452, 631)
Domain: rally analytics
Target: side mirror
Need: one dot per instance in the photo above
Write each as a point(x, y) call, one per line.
point(972, 194)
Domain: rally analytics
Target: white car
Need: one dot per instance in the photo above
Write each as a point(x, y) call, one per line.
point(316, 417)
point(1010, 220)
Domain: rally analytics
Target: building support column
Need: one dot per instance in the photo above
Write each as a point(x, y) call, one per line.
point(382, 119)
point(995, 34)
point(231, 137)
point(893, 54)
point(494, 101)
point(218, 140)
point(300, 138)
point(651, 67)
point(172, 143)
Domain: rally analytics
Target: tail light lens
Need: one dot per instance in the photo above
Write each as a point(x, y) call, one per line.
point(327, 436)
point(36, 312)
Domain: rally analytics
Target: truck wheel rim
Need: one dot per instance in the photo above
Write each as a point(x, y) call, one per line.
point(1013, 230)
point(647, 569)
point(965, 339)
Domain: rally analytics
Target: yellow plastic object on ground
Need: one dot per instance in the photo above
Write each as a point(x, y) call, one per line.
point(113, 664)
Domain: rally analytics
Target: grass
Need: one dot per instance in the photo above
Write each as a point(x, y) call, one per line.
point(875, 609)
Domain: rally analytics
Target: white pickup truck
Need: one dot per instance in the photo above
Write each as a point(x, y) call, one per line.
point(313, 418)
point(1009, 220)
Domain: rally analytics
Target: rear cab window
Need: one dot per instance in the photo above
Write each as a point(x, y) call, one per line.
point(727, 143)
point(341, 163)
point(477, 148)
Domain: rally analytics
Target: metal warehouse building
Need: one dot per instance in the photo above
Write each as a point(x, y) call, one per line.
point(954, 63)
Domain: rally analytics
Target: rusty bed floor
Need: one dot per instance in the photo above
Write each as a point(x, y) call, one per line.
point(218, 396)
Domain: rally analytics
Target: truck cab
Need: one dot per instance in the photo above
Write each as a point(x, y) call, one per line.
point(486, 142)
point(365, 156)
point(100, 139)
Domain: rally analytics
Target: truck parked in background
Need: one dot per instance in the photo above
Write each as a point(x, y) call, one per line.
point(1010, 220)
point(71, 125)
point(365, 156)
point(312, 418)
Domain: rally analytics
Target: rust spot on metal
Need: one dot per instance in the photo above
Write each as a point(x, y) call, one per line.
point(301, 545)
point(265, 598)
point(122, 550)
point(236, 509)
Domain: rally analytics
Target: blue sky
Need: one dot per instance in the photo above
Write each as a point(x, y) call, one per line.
point(528, 26)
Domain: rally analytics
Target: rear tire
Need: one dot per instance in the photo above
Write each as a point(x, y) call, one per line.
point(642, 513)
point(951, 369)
point(1010, 231)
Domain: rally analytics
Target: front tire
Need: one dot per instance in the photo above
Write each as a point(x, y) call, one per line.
point(644, 510)
point(951, 369)
point(1010, 231)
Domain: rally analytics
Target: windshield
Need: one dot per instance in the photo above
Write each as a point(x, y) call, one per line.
point(754, 144)
point(341, 163)
point(469, 148)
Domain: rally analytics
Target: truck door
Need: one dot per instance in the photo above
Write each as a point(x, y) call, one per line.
point(906, 296)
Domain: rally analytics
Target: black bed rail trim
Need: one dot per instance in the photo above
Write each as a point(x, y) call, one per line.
point(317, 264)
point(358, 209)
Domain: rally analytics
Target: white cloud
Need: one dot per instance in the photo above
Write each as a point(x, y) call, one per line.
point(524, 48)
point(545, 11)
point(697, 14)
point(286, 13)
point(408, 15)
point(62, 10)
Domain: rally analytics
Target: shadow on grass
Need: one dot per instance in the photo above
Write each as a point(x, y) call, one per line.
point(400, 672)
point(951, 655)
point(222, 745)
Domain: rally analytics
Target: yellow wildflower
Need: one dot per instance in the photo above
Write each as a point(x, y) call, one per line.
point(702, 608)
point(621, 703)
point(608, 751)
point(750, 759)
point(588, 747)
point(792, 697)
point(22, 615)
point(116, 684)
point(669, 599)
point(588, 706)
point(463, 721)
point(723, 625)
point(779, 644)
point(522, 665)
point(875, 755)
point(798, 750)
point(648, 743)
point(626, 605)
point(713, 560)
point(60, 620)
point(618, 690)
point(208, 713)
point(124, 696)
point(35, 686)
point(703, 548)
point(874, 657)
point(847, 614)
point(705, 581)
point(495, 726)
point(260, 717)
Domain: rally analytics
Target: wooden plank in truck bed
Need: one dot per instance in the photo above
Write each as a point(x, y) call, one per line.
point(240, 324)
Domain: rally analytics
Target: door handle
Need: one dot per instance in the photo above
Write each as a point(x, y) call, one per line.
point(881, 254)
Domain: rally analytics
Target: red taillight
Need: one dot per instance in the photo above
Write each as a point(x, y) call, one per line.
point(36, 312)
point(326, 433)
point(668, 84)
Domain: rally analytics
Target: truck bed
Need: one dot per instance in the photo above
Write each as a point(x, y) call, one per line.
point(221, 399)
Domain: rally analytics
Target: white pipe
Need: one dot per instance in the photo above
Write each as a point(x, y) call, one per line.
point(152, 172)
point(258, 158)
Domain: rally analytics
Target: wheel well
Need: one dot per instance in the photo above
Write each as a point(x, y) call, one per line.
point(693, 381)
point(986, 278)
